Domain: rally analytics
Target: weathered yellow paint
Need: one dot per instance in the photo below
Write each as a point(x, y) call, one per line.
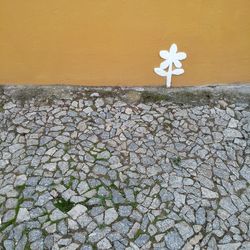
point(116, 42)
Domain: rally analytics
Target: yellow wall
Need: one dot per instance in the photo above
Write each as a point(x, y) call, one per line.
point(116, 42)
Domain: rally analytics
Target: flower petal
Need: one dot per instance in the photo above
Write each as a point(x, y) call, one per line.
point(177, 63)
point(178, 71)
point(173, 49)
point(160, 72)
point(164, 54)
point(181, 55)
point(164, 64)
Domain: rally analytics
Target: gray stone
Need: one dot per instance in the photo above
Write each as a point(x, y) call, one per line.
point(22, 130)
point(230, 246)
point(142, 240)
point(99, 102)
point(9, 244)
point(200, 216)
point(62, 227)
point(20, 180)
point(233, 123)
point(174, 241)
point(35, 235)
point(245, 172)
point(122, 226)
point(227, 204)
point(15, 147)
point(125, 211)
point(104, 244)
point(23, 215)
point(63, 139)
point(103, 155)
point(208, 194)
point(98, 234)
point(164, 225)
point(148, 118)
point(232, 133)
point(57, 215)
point(9, 215)
point(81, 126)
point(50, 166)
point(110, 216)
point(76, 211)
point(185, 230)
point(83, 187)
point(190, 163)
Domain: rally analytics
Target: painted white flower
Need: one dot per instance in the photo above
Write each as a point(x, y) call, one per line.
point(172, 58)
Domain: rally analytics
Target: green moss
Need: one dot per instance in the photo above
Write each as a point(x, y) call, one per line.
point(138, 233)
point(27, 246)
point(102, 93)
point(63, 205)
point(20, 188)
point(176, 161)
point(162, 215)
point(152, 97)
point(70, 182)
point(104, 198)
point(113, 186)
point(1, 108)
point(94, 247)
point(101, 226)
point(167, 125)
point(101, 159)
point(66, 147)
point(133, 204)
point(13, 221)
point(5, 225)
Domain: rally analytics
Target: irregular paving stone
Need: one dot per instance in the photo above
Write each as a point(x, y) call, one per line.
point(9, 215)
point(245, 172)
point(164, 225)
point(200, 216)
point(227, 204)
point(125, 211)
point(34, 235)
point(174, 241)
point(232, 133)
point(110, 216)
point(57, 215)
point(122, 169)
point(189, 164)
point(98, 234)
point(122, 226)
point(23, 215)
point(185, 230)
point(142, 240)
point(82, 187)
point(15, 147)
point(20, 180)
point(230, 246)
point(206, 193)
point(104, 244)
point(62, 139)
point(77, 210)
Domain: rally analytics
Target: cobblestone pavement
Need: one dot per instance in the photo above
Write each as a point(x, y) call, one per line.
point(123, 169)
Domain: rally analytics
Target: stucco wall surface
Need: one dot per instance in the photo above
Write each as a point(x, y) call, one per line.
point(112, 42)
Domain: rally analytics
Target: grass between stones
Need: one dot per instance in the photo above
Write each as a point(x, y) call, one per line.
point(1, 107)
point(138, 233)
point(19, 202)
point(176, 161)
point(152, 97)
point(63, 205)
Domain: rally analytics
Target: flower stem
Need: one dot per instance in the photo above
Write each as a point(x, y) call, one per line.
point(169, 76)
